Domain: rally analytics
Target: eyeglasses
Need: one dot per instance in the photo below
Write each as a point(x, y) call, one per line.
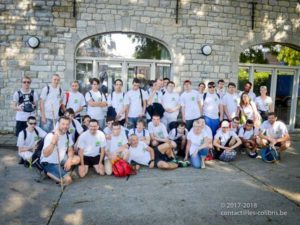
point(211, 86)
point(26, 82)
point(32, 123)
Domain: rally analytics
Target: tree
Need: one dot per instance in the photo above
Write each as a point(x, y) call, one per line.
point(253, 55)
point(289, 56)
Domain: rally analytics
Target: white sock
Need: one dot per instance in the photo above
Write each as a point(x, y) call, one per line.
point(203, 162)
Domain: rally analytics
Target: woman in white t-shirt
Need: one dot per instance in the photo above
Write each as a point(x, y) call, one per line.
point(264, 103)
point(197, 145)
point(247, 110)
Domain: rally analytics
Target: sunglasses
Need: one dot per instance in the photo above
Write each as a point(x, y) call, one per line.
point(211, 86)
point(32, 123)
point(26, 82)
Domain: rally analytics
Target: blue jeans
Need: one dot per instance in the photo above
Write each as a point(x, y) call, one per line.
point(101, 124)
point(48, 126)
point(132, 122)
point(53, 169)
point(212, 123)
point(196, 160)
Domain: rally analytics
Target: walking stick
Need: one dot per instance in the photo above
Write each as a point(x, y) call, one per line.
point(58, 157)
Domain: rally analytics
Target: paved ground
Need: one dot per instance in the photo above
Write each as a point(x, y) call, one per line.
point(184, 196)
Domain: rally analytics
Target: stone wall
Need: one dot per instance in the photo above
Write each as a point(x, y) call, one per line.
point(224, 24)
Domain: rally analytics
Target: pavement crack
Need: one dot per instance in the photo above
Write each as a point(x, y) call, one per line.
point(268, 186)
point(56, 204)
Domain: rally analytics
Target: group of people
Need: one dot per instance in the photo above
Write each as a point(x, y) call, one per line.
point(157, 127)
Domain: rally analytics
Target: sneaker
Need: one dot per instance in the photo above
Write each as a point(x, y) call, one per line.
point(183, 164)
point(253, 154)
point(26, 164)
point(21, 161)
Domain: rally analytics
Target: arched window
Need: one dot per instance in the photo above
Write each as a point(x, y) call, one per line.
point(123, 56)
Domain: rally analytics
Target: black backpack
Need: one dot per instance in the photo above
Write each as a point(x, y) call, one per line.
point(25, 133)
point(28, 100)
point(76, 133)
point(205, 94)
point(111, 111)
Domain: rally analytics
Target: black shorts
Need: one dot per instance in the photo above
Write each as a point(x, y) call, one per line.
point(158, 156)
point(91, 161)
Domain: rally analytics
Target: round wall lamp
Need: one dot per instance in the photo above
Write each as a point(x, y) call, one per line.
point(33, 42)
point(206, 50)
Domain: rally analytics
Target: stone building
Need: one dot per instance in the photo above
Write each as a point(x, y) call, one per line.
point(183, 27)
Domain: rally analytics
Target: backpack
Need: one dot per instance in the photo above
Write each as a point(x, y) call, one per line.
point(61, 111)
point(76, 133)
point(111, 111)
point(144, 132)
point(28, 104)
point(121, 168)
point(38, 152)
point(25, 133)
point(270, 154)
point(205, 94)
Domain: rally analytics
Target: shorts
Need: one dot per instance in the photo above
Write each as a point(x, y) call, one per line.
point(53, 169)
point(158, 156)
point(91, 160)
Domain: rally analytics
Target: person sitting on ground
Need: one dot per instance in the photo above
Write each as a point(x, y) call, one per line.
point(163, 155)
point(117, 148)
point(28, 139)
point(179, 136)
point(58, 151)
point(235, 124)
point(141, 131)
point(197, 145)
point(225, 142)
point(158, 132)
point(91, 146)
point(248, 135)
point(108, 129)
point(85, 122)
point(274, 133)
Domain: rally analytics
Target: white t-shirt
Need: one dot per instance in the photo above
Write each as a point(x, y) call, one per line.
point(249, 110)
point(108, 131)
point(21, 115)
point(71, 129)
point(116, 100)
point(31, 139)
point(247, 135)
point(190, 101)
point(133, 99)
point(211, 105)
point(91, 144)
point(224, 137)
point(173, 136)
point(139, 134)
point(140, 154)
point(278, 130)
point(263, 105)
point(221, 92)
point(232, 102)
point(76, 100)
point(207, 132)
point(62, 145)
point(116, 142)
point(196, 140)
point(170, 101)
point(159, 131)
point(54, 98)
point(95, 112)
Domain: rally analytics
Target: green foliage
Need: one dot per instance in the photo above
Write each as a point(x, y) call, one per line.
point(253, 55)
point(289, 56)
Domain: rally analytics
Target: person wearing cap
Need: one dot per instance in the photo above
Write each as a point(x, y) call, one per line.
point(190, 104)
point(225, 143)
point(211, 108)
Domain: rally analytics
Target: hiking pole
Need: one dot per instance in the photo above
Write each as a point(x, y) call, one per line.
point(58, 157)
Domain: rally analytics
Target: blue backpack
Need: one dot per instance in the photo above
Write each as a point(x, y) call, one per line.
point(270, 154)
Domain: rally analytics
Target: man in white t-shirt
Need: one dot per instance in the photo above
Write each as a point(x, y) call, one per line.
point(51, 99)
point(179, 135)
point(247, 90)
point(221, 90)
point(248, 135)
point(230, 102)
point(225, 143)
point(74, 99)
point(201, 89)
point(96, 103)
point(109, 127)
point(274, 133)
point(28, 139)
point(190, 104)
point(136, 102)
point(92, 144)
point(171, 104)
point(141, 132)
point(116, 100)
point(24, 103)
point(158, 132)
point(154, 96)
point(117, 148)
point(212, 108)
point(58, 152)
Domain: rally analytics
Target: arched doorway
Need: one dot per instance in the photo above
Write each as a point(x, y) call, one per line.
point(276, 66)
point(112, 56)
